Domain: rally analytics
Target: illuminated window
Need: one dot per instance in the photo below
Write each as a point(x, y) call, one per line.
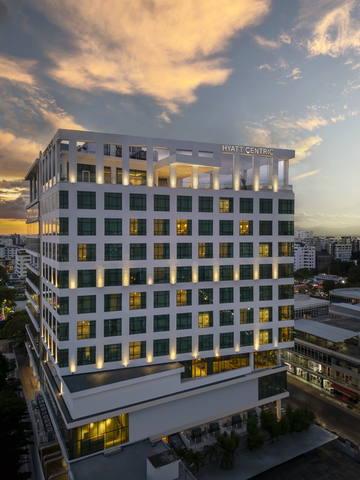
point(161, 251)
point(162, 226)
point(226, 205)
point(107, 174)
point(286, 334)
point(226, 250)
point(119, 175)
point(137, 226)
point(265, 314)
point(86, 252)
point(137, 350)
point(184, 227)
point(137, 177)
point(265, 359)
point(205, 250)
point(246, 227)
point(183, 298)
point(265, 336)
point(86, 330)
point(205, 319)
point(286, 312)
point(246, 315)
point(265, 249)
point(137, 300)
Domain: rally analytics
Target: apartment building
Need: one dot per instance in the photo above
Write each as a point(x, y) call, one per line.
point(22, 258)
point(162, 284)
point(304, 256)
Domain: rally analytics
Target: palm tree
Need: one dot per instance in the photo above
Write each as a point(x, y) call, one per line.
point(211, 451)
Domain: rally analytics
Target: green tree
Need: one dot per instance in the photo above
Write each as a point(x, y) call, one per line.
point(14, 330)
point(299, 419)
point(301, 290)
point(255, 440)
point(269, 422)
point(15, 430)
point(305, 273)
point(328, 285)
point(228, 445)
point(4, 278)
point(211, 451)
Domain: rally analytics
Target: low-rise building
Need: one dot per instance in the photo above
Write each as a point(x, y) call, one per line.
point(303, 234)
point(345, 295)
point(341, 251)
point(304, 256)
point(22, 259)
point(306, 306)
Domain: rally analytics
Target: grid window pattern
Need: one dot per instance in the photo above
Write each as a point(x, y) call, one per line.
point(161, 203)
point(226, 295)
point(271, 385)
point(183, 274)
point(246, 250)
point(286, 207)
point(137, 251)
point(138, 201)
point(162, 226)
point(112, 201)
point(265, 227)
point(246, 205)
point(63, 305)
point(86, 226)
point(86, 304)
point(226, 205)
point(112, 302)
point(137, 300)
point(161, 251)
point(246, 294)
point(265, 271)
point(247, 338)
point(86, 200)
point(184, 203)
point(63, 199)
point(286, 249)
point(137, 350)
point(226, 273)
point(113, 252)
point(206, 342)
point(205, 319)
point(286, 292)
point(205, 296)
point(162, 299)
point(183, 345)
point(206, 204)
point(119, 176)
point(113, 226)
point(266, 205)
point(63, 252)
point(86, 252)
point(205, 227)
point(107, 174)
point(161, 275)
point(265, 336)
point(86, 330)
point(112, 327)
point(137, 276)
point(245, 227)
point(226, 227)
point(265, 250)
point(161, 323)
point(246, 315)
point(226, 250)
point(265, 314)
point(205, 273)
point(161, 347)
point(63, 357)
point(63, 331)
point(112, 353)
point(138, 226)
point(86, 278)
point(86, 356)
point(286, 334)
point(183, 321)
point(63, 278)
point(184, 250)
point(286, 228)
point(286, 312)
point(265, 293)
point(137, 177)
point(184, 227)
point(286, 270)
point(63, 226)
point(183, 298)
point(113, 277)
point(137, 325)
point(246, 272)
point(226, 317)
point(205, 250)
point(227, 340)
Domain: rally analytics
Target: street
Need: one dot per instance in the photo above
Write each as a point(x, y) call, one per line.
point(332, 415)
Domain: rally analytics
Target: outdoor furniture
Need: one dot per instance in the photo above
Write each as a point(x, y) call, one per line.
point(196, 433)
point(214, 427)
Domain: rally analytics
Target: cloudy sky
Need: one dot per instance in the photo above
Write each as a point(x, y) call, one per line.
point(281, 73)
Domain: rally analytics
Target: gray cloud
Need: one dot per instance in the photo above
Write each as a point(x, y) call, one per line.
point(13, 208)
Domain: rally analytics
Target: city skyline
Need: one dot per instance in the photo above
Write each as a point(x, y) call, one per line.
point(263, 73)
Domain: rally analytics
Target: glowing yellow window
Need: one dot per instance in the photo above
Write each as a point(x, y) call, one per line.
point(265, 249)
point(265, 314)
point(205, 319)
point(183, 227)
point(137, 350)
point(246, 227)
point(183, 298)
point(199, 368)
point(226, 205)
point(86, 329)
point(137, 300)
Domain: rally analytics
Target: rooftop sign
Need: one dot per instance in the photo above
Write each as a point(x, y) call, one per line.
point(247, 150)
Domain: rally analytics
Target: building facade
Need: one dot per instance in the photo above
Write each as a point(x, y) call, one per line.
point(304, 256)
point(164, 284)
point(341, 251)
point(22, 259)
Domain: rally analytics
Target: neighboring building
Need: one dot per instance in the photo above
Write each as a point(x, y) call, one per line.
point(345, 310)
point(165, 288)
point(341, 251)
point(320, 243)
point(304, 256)
point(327, 354)
point(6, 241)
point(306, 306)
point(345, 295)
point(322, 260)
point(22, 259)
point(8, 252)
point(303, 235)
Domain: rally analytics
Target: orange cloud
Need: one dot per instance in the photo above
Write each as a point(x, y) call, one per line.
point(9, 225)
point(162, 48)
point(16, 70)
point(16, 155)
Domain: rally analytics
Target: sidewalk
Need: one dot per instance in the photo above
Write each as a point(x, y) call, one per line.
point(28, 380)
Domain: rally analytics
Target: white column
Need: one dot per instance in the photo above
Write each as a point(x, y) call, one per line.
point(256, 172)
point(149, 165)
point(278, 409)
point(286, 173)
point(195, 177)
point(125, 163)
point(236, 172)
point(173, 181)
point(72, 161)
point(275, 173)
point(56, 156)
point(31, 191)
point(216, 178)
point(156, 177)
point(99, 160)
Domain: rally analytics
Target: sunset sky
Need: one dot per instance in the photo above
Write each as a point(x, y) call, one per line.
point(281, 73)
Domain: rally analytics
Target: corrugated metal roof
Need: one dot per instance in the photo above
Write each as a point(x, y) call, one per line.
point(327, 332)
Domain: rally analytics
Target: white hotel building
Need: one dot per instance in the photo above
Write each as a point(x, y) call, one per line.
point(161, 286)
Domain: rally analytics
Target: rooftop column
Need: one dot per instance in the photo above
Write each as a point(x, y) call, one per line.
point(256, 172)
point(125, 163)
point(72, 161)
point(195, 177)
point(236, 172)
point(275, 173)
point(150, 165)
point(99, 161)
point(286, 173)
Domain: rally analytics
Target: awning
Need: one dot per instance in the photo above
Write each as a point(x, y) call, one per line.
point(344, 390)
